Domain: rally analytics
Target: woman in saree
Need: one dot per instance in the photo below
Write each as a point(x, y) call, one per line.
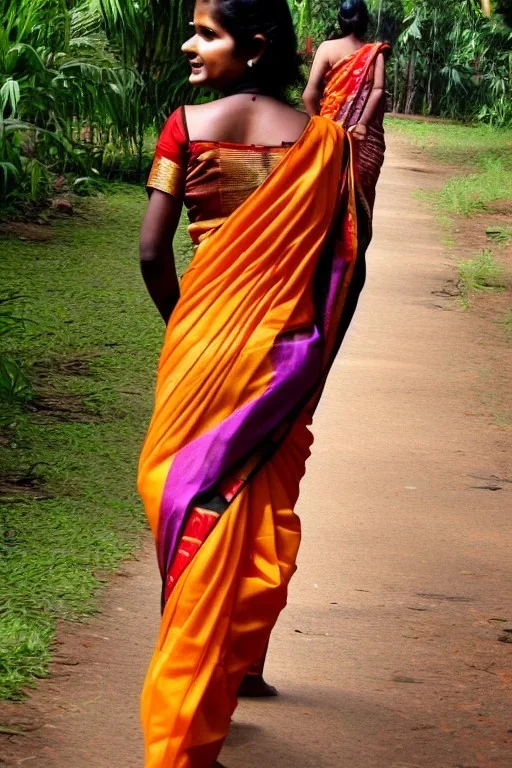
point(347, 84)
point(252, 330)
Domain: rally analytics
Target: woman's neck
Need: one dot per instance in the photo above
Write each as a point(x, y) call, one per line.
point(246, 85)
point(353, 39)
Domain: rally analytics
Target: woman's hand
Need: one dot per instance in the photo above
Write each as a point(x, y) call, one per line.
point(358, 131)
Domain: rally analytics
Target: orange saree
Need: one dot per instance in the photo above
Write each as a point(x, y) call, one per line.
point(346, 90)
point(264, 306)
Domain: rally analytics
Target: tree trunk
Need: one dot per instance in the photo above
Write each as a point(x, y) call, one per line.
point(396, 91)
point(411, 71)
point(402, 97)
point(429, 88)
point(379, 18)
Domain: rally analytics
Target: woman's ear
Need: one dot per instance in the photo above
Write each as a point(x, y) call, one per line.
point(259, 45)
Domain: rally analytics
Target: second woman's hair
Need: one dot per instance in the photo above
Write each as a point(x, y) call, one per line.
point(278, 66)
point(353, 18)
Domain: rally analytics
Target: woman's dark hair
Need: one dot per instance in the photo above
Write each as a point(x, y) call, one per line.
point(353, 18)
point(278, 67)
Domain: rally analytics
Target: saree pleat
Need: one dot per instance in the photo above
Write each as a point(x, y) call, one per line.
point(221, 612)
point(245, 355)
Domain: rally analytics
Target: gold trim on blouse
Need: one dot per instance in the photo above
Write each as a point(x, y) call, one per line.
point(167, 176)
point(243, 171)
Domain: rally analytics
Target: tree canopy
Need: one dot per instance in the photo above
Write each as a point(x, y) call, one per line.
point(83, 81)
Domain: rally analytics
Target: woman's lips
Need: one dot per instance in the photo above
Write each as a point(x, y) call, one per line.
point(195, 67)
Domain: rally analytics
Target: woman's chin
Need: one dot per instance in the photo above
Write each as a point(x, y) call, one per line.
point(197, 78)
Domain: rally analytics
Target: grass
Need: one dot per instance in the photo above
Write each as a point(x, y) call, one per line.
point(498, 234)
point(482, 273)
point(481, 158)
point(474, 192)
point(456, 143)
point(91, 354)
point(481, 153)
point(478, 159)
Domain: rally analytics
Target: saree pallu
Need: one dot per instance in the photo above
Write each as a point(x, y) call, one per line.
point(347, 87)
point(264, 306)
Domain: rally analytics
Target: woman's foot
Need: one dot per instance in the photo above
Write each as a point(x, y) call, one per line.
point(255, 687)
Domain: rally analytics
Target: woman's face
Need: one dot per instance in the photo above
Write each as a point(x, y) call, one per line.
point(212, 53)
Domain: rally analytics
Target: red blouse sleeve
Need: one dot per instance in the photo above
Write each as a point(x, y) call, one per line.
point(170, 162)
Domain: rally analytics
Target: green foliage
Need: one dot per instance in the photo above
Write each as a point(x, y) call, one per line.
point(74, 513)
point(499, 234)
point(475, 146)
point(80, 83)
point(62, 96)
point(147, 36)
point(11, 324)
point(450, 60)
point(456, 143)
point(482, 273)
point(14, 383)
point(24, 650)
point(483, 152)
point(315, 21)
point(468, 194)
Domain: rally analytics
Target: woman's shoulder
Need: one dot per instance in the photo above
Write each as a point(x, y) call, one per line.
point(205, 121)
point(173, 139)
point(329, 45)
point(334, 50)
point(327, 49)
point(203, 114)
point(206, 108)
point(244, 118)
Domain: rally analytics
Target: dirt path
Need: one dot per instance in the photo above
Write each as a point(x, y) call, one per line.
point(389, 655)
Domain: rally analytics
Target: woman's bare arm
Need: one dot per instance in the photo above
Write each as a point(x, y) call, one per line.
point(377, 92)
point(315, 87)
point(156, 254)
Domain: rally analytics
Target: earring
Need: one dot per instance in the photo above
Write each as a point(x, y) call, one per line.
point(250, 63)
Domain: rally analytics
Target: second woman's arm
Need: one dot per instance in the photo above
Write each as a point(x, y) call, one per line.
point(314, 90)
point(376, 94)
point(156, 255)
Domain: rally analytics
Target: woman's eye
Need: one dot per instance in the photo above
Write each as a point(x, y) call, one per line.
point(207, 33)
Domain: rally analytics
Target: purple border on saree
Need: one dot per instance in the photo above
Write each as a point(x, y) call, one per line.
point(200, 464)
point(298, 366)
